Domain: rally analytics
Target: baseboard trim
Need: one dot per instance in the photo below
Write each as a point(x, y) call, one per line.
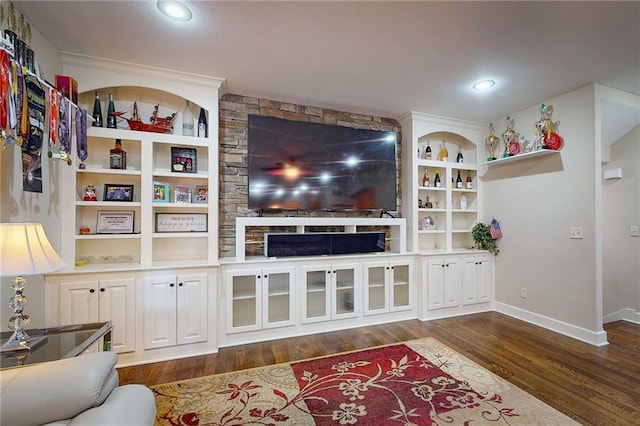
point(627, 314)
point(596, 338)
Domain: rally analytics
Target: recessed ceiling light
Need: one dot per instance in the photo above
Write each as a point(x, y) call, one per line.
point(483, 84)
point(175, 10)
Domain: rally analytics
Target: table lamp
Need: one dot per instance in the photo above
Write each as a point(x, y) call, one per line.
point(24, 250)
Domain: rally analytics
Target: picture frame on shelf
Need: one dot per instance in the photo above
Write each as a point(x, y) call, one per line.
point(183, 160)
point(117, 192)
point(181, 222)
point(160, 192)
point(201, 195)
point(115, 222)
point(181, 194)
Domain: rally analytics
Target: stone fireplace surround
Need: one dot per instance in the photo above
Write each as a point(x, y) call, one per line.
point(234, 112)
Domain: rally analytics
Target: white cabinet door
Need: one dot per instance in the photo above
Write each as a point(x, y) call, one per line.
point(102, 300)
point(400, 278)
point(475, 281)
point(192, 309)
point(316, 300)
point(387, 286)
point(345, 283)
point(243, 300)
point(277, 297)
point(160, 312)
point(443, 282)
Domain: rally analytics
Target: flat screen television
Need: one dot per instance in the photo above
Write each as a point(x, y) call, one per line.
point(296, 165)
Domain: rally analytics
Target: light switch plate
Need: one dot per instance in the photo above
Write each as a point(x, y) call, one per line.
point(634, 231)
point(575, 232)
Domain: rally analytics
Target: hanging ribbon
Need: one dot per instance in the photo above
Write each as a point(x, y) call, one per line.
point(64, 124)
point(53, 117)
point(81, 135)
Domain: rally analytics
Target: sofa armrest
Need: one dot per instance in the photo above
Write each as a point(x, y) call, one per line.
point(57, 390)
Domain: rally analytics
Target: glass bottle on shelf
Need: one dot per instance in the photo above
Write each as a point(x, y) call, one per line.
point(443, 155)
point(97, 112)
point(459, 181)
point(437, 179)
point(202, 124)
point(463, 202)
point(427, 151)
point(187, 121)
point(118, 156)
point(459, 157)
point(111, 113)
point(469, 182)
point(425, 179)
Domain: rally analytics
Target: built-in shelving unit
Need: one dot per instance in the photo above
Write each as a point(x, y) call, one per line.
point(440, 218)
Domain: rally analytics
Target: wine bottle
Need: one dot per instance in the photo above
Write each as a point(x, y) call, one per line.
point(459, 157)
point(469, 182)
point(437, 179)
point(443, 155)
point(459, 181)
point(425, 179)
point(427, 152)
point(118, 156)
point(97, 112)
point(187, 121)
point(463, 202)
point(202, 124)
point(111, 113)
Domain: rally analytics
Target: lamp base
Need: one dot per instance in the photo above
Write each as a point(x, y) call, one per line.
point(17, 344)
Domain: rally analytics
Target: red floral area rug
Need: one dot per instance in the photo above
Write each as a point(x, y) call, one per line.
point(420, 382)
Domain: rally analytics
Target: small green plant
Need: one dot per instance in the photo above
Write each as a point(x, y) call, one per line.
point(483, 239)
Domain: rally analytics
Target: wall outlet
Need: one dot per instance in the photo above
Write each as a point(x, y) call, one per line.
point(634, 231)
point(523, 292)
point(575, 232)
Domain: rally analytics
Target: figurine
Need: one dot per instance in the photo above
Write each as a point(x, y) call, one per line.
point(90, 193)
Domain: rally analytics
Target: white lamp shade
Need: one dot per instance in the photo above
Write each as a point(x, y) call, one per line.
point(25, 250)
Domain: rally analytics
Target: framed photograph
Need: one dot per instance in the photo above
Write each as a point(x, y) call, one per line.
point(117, 192)
point(115, 222)
point(181, 194)
point(183, 160)
point(160, 192)
point(181, 222)
point(202, 194)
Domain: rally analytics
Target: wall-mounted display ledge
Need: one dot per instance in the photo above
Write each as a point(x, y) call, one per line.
point(519, 157)
point(397, 226)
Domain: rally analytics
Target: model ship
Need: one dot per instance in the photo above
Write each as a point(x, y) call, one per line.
point(156, 124)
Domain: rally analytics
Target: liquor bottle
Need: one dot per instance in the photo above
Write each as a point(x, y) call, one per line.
point(97, 112)
point(459, 181)
point(443, 155)
point(427, 152)
point(111, 113)
point(202, 124)
point(469, 182)
point(118, 156)
point(187, 121)
point(437, 179)
point(459, 157)
point(425, 179)
point(463, 202)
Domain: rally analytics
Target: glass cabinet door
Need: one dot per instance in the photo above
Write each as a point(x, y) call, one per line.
point(344, 291)
point(400, 280)
point(376, 288)
point(317, 300)
point(278, 298)
point(244, 301)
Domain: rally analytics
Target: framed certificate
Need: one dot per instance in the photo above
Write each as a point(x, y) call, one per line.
point(115, 222)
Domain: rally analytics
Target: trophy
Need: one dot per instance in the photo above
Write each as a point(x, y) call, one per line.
point(10, 31)
point(510, 139)
point(491, 142)
point(545, 129)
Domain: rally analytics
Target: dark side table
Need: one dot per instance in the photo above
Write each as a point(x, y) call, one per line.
point(60, 342)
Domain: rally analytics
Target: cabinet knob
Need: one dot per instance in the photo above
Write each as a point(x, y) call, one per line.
point(180, 284)
point(264, 276)
point(171, 285)
point(93, 290)
point(259, 276)
point(102, 289)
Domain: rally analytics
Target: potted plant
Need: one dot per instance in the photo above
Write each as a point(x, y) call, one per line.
point(483, 239)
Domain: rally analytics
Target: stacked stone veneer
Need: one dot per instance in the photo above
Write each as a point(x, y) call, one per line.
point(234, 180)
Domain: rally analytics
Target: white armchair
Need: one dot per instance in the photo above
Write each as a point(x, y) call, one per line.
point(74, 391)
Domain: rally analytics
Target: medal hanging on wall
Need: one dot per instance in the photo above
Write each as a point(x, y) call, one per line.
point(81, 135)
point(34, 137)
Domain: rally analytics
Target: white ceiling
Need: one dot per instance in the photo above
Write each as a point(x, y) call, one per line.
point(384, 58)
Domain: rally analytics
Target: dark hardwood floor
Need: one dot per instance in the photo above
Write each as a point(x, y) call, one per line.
point(593, 385)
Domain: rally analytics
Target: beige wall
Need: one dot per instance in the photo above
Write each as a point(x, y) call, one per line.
point(621, 209)
point(536, 201)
